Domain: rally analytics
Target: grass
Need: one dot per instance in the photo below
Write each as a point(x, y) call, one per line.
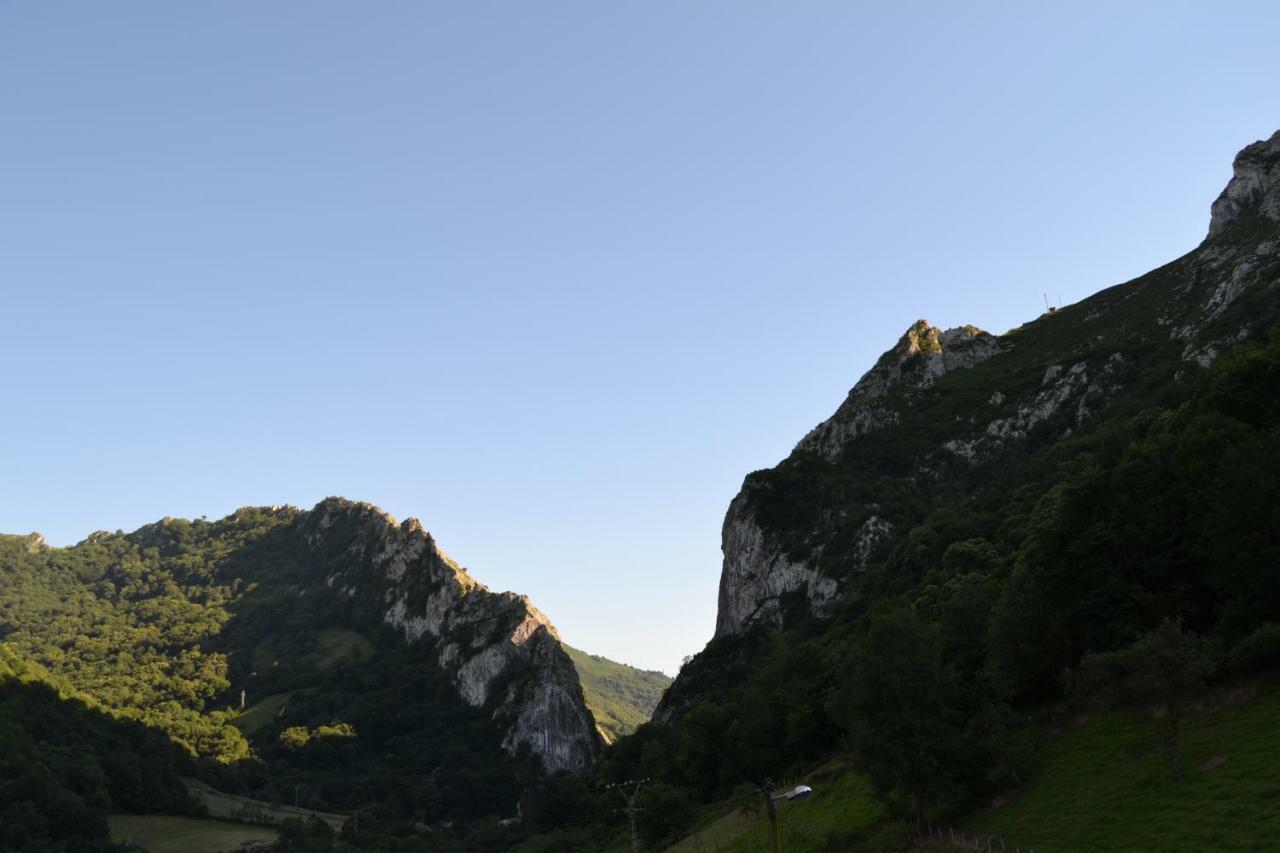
point(335, 646)
point(168, 834)
point(255, 811)
point(1104, 785)
point(261, 714)
point(841, 815)
point(620, 697)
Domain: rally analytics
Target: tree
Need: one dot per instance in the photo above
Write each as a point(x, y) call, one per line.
point(904, 713)
point(1165, 671)
point(295, 737)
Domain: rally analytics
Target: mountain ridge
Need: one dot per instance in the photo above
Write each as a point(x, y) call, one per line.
point(333, 655)
point(944, 416)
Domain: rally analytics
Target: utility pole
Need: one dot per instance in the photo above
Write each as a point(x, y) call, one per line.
point(629, 790)
point(767, 790)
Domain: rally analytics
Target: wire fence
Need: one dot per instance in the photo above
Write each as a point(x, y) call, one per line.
point(950, 838)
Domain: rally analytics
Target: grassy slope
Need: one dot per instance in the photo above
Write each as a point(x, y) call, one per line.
point(230, 806)
point(165, 834)
point(621, 697)
point(333, 647)
point(842, 814)
point(1101, 786)
point(262, 714)
point(1104, 786)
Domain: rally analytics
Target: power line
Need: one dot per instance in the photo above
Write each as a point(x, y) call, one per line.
point(629, 790)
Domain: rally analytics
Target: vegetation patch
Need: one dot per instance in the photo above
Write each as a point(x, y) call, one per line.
point(842, 814)
point(169, 834)
point(620, 697)
point(1106, 785)
point(338, 646)
point(262, 714)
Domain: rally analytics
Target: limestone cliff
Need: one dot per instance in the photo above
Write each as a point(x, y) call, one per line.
point(1254, 186)
point(942, 410)
point(502, 653)
point(922, 356)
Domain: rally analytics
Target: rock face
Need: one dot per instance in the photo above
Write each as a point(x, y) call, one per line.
point(502, 653)
point(757, 571)
point(922, 356)
point(757, 574)
point(801, 531)
point(1254, 186)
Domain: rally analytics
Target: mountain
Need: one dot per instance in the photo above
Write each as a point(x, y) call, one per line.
point(332, 653)
point(922, 581)
point(947, 419)
point(621, 697)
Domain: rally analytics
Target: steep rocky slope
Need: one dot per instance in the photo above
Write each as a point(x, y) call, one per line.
point(947, 413)
point(179, 620)
point(501, 652)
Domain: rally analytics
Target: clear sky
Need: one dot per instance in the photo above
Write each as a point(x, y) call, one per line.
point(553, 277)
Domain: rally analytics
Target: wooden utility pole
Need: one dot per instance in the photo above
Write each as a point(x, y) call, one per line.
point(629, 790)
point(772, 809)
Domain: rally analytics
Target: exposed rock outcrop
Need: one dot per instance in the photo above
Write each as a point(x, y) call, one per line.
point(757, 574)
point(757, 571)
point(922, 355)
point(501, 651)
point(1254, 186)
point(1043, 382)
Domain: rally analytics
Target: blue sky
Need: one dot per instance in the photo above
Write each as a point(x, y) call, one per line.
point(553, 277)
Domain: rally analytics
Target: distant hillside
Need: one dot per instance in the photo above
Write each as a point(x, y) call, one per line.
point(621, 697)
point(330, 656)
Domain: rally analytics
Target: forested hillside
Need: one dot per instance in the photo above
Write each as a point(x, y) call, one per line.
point(1083, 513)
point(621, 697)
point(176, 625)
point(65, 765)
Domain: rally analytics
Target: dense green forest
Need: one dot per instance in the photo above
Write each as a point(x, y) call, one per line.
point(171, 626)
point(65, 765)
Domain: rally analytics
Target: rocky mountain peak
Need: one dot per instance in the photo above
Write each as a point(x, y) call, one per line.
point(1254, 186)
point(501, 652)
point(921, 356)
